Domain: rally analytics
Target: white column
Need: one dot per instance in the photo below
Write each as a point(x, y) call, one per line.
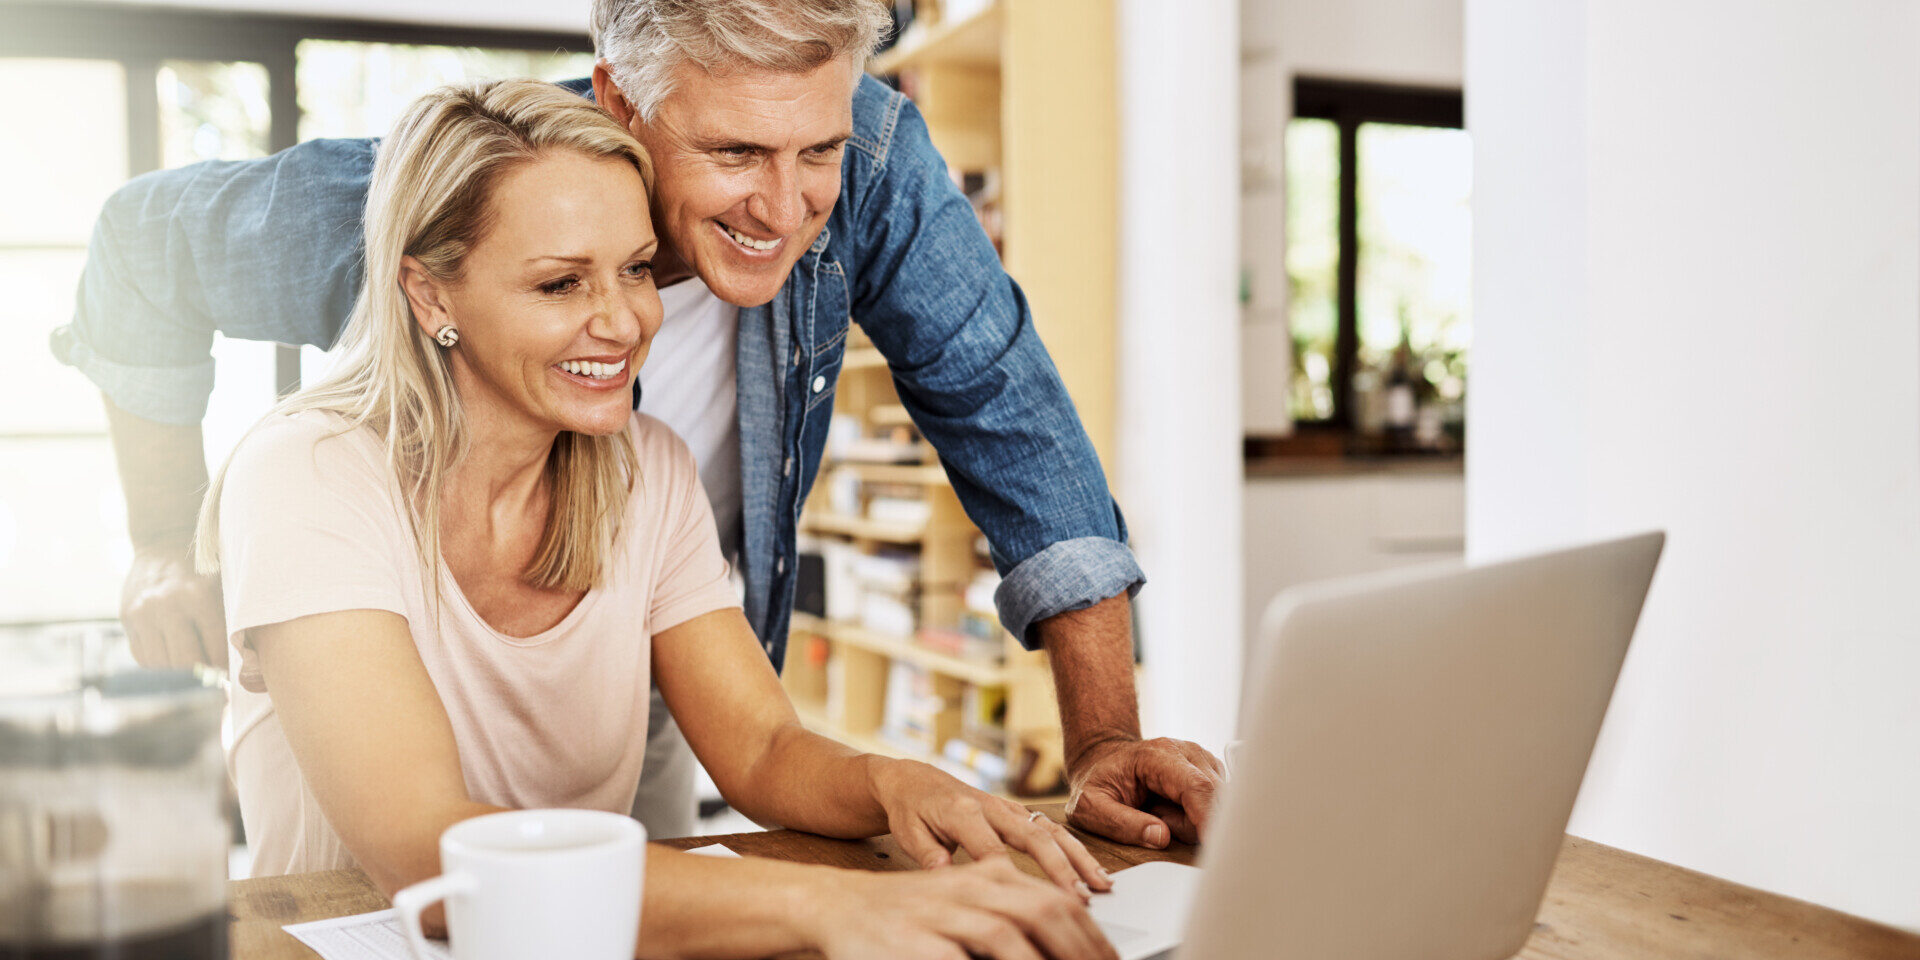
point(1179, 473)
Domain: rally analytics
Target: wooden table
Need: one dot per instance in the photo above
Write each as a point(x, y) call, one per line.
point(1602, 904)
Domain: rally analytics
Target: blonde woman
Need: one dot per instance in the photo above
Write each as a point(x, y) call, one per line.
point(451, 568)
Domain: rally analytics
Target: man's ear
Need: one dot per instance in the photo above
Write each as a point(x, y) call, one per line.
point(609, 97)
point(425, 295)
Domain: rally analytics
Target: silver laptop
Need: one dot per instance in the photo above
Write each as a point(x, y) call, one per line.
point(1415, 740)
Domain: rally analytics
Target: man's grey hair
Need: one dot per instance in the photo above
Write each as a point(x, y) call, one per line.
point(643, 41)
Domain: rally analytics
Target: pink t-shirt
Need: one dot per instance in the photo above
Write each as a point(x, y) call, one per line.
point(314, 522)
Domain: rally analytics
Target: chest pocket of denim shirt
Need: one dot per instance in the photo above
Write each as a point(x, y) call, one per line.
point(830, 322)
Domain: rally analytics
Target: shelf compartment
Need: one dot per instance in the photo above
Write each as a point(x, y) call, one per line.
point(926, 475)
point(863, 358)
point(974, 40)
point(900, 648)
point(860, 528)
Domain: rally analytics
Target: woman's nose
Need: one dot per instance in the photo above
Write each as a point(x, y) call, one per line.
point(617, 319)
point(628, 317)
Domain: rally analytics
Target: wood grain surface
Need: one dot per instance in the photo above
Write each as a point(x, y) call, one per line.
point(1602, 904)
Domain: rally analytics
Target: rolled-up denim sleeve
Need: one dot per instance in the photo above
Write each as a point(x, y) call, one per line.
point(259, 250)
point(1068, 575)
point(959, 336)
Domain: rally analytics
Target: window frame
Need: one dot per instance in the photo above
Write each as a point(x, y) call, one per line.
point(142, 38)
point(1348, 104)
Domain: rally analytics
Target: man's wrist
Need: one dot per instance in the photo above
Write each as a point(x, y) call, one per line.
point(1092, 747)
point(1091, 652)
point(164, 543)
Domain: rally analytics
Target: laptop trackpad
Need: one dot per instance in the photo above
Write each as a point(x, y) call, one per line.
point(1147, 910)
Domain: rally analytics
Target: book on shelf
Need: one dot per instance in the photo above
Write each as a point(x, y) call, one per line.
point(892, 507)
point(965, 644)
point(886, 613)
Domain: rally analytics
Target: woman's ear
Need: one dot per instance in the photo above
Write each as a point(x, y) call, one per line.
point(609, 97)
point(426, 296)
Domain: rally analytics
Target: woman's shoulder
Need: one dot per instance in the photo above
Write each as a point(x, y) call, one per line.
point(318, 443)
point(656, 445)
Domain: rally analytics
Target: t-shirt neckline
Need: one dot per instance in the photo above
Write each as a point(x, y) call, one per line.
point(451, 586)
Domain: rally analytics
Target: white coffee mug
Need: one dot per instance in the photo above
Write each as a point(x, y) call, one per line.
point(535, 883)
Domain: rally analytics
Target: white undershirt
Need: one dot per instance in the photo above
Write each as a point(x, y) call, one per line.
point(688, 382)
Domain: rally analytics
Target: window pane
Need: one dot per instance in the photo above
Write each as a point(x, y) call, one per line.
point(1416, 184)
point(212, 111)
point(63, 531)
point(353, 89)
point(40, 394)
point(1313, 262)
point(51, 191)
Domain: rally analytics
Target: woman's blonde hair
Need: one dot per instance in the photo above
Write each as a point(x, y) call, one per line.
point(429, 199)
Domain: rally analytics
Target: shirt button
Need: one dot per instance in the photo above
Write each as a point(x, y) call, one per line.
point(819, 383)
point(780, 565)
point(786, 469)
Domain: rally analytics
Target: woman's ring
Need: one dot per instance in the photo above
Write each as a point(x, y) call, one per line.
point(1035, 815)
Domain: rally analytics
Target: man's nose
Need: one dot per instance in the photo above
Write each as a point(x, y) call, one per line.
point(778, 203)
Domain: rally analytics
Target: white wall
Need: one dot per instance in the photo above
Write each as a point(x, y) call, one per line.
point(1697, 307)
point(1384, 41)
point(1307, 528)
point(1178, 469)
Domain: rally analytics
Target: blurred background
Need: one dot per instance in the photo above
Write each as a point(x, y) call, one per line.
point(1662, 258)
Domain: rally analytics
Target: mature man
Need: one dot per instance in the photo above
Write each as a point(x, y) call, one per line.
point(793, 195)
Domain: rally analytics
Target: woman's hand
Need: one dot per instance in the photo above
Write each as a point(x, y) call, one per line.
point(987, 909)
point(930, 813)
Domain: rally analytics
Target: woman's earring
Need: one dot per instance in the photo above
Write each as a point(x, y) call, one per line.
point(447, 335)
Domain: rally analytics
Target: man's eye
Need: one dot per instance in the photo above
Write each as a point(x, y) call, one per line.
point(554, 288)
point(823, 152)
point(736, 153)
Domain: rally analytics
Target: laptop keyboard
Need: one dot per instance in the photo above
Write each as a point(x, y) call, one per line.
point(1122, 937)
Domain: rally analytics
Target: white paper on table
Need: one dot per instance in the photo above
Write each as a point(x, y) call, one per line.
point(365, 936)
point(379, 936)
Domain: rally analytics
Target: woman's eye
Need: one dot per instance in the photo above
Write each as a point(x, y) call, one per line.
point(639, 270)
point(554, 288)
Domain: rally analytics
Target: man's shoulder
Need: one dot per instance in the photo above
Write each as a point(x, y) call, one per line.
point(876, 115)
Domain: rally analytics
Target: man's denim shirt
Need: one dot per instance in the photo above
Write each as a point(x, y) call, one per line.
point(272, 250)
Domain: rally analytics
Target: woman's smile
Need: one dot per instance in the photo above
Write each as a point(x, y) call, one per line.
point(596, 373)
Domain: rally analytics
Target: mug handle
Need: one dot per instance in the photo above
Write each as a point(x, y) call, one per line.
point(414, 900)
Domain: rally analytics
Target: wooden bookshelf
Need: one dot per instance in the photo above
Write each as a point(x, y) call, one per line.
point(906, 474)
point(973, 40)
point(982, 672)
point(862, 358)
point(860, 528)
point(1021, 94)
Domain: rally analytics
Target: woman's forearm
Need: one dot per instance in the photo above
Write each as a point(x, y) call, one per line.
point(808, 782)
point(703, 907)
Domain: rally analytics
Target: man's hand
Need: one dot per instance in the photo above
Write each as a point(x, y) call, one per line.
point(1140, 791)
point(172, 615)
point(1123, 788)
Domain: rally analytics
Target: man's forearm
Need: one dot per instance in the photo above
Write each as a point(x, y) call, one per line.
point(163, 472)
point(1091, 652)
